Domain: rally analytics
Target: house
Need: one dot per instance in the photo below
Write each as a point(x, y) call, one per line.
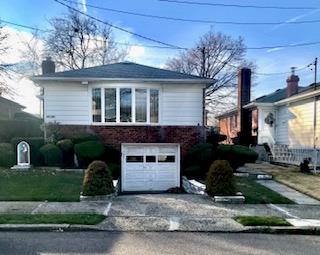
point(8, 108)
point(288, 120)
point(150, 114)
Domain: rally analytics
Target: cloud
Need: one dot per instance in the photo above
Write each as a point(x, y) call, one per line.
point(296, 18)
point(275, 49)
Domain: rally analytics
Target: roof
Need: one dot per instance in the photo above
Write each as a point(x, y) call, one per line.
point(227, 113)
point(10, 102)
point(123, 70)
point(275, 96)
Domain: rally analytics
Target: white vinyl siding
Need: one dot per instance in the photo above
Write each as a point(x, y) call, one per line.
point(282, 125)
point(182, 105)
point(70, 102)
point(66, 103)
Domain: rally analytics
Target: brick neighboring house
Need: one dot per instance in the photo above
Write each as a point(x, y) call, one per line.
point(9, 108)
point(151, 114)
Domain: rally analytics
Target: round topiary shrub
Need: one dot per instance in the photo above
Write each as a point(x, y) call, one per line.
point(66, 146)
point(97, 180)
point(52, 155)
point(89, 151)
point(220, 179)
point(7, 158)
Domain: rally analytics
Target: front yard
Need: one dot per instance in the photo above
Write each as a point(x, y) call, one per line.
point(291, 176)
point(40, 185)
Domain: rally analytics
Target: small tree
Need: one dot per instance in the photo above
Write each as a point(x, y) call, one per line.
point(97, 180)
point(220, 179)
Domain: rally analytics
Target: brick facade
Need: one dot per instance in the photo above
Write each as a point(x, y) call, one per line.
point(186, 136)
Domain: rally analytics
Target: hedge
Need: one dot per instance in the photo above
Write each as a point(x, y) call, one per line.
point(89, 151)
point(52, 155)
point(66, 146)
point(7, 158)
point(83, 137)
point(35, 144)
point(10, 129)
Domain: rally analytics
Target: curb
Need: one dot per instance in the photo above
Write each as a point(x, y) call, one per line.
point(75, 228)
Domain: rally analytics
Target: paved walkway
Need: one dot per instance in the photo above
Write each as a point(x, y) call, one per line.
point(290, 193)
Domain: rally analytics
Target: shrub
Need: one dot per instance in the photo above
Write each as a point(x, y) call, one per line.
point(193, 172)
point(237, 155)
point(89, 151)
point(53, 132)
point(97, 180)
point(111, 155)
point(115, 170)
point(7, 158)
point(66, 146)
point(52, 155)
point(220, 179)
point(35, 144)
point(18, 128)
point(84, 137)
point(199, 158)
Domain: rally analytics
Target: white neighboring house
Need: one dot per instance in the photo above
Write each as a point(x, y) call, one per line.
point(149, 113)
point(289, 122)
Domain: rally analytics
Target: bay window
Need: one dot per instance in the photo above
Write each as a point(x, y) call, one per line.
point(125, 105)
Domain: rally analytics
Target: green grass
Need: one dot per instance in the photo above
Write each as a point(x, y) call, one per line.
point(262, 221)
point(40, 185)
point(83, 219)
point(255, 193)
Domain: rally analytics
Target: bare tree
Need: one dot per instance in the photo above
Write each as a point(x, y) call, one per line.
point(216, 56)
point(4, 73)
point(76, 42)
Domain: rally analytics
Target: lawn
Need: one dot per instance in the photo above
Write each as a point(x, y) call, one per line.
point(83, 219)
point(291, 176)
point(255, 193)
point(40, 185)
point(262, 221)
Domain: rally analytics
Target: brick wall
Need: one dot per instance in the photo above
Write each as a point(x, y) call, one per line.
point(186, 136)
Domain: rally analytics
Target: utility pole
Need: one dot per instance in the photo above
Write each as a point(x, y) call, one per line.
point(315, 138)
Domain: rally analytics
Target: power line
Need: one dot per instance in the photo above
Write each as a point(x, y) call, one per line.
point(170, 48)
point(241, 6)
point(194, 20)
point(120, 28)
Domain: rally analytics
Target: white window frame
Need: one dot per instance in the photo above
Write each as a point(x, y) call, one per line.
point(133, 110)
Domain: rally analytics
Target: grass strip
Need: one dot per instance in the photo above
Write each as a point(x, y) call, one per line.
point(82, 219)
point(262, 221)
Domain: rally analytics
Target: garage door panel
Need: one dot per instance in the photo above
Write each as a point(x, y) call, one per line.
point(158, 171)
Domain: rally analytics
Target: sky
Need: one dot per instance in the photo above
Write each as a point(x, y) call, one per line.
point(36, 13)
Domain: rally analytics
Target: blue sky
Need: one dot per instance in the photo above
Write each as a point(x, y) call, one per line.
point(37, 12)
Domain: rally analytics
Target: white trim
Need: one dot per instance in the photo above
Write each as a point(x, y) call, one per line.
point(298, 97)
point(133, 105)
point(117, 107)
point(255, 104)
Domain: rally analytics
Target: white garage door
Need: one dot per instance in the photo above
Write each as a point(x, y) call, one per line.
point(150, 167)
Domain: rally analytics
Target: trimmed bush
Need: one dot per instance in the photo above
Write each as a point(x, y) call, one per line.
point(237, 155)
point(18, 128)
point(115, 170)
point(7, 158)
point(84, 137)
point(66, 146)
point(52, 155)
point(35, 144)
point(89, 151)
point(97, 180)
point(220, 179)
point(200, 155)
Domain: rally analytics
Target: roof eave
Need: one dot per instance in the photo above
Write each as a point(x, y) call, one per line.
point(298, 97)
point(256, 104)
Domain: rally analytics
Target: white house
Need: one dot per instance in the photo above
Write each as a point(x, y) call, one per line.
point(150, 114)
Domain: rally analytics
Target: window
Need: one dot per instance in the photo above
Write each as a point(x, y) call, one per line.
point(125, 105)
point(150, 159)
point(110, 105)
point(166, 158)
point(141, 105)
point(154, 106)
point(96, 105)
point(134, 159)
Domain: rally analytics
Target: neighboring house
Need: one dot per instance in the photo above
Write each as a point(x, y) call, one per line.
point(9, 108)
point(149, 113)
point(283, 119)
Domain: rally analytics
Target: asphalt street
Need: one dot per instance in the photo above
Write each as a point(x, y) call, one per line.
point(98, 243)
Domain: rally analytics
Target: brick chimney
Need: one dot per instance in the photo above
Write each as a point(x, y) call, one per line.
point(244, 97)
point(292, 83)
point(48, 66)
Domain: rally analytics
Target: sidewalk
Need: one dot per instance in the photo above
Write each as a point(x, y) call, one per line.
point(164, 212)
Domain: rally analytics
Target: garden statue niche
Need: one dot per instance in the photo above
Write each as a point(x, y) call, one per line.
point(23, 156)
